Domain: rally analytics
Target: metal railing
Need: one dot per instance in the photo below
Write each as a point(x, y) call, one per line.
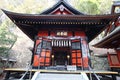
point(93, 73)
point(29, 68)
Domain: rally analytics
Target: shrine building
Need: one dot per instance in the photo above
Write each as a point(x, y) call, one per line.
point(61, 34)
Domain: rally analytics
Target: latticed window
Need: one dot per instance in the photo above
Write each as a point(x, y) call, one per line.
point(46, 45)
point(76, 45)
point(45, 57)
point(38, 49)
point(76, 55)
point(45, 54)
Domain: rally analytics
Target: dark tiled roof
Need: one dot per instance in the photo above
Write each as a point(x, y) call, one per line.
point(31, 23)
point(110, 41)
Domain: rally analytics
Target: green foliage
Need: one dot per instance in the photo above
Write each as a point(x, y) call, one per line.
point(93, 7)
point(5, 35)
point(3, 51)
point(27, 6)
point(89, 7)
point(6, 39)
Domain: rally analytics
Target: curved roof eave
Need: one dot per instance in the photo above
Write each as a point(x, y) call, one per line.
point(107, 16)
point(89, 19)
point(106, 41)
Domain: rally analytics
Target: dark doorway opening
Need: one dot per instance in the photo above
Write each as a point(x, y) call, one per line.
point(61, 56)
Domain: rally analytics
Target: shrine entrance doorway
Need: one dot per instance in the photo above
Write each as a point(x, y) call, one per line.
point(61, 56)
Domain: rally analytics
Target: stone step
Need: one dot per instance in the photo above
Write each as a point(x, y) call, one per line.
point(56, 76)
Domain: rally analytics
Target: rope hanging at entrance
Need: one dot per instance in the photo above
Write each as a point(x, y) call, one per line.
point(61, 43)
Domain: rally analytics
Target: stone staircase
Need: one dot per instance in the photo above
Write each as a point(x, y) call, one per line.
point(59, 76)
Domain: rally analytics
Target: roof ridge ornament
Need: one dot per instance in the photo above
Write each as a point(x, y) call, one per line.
point(61, 8)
